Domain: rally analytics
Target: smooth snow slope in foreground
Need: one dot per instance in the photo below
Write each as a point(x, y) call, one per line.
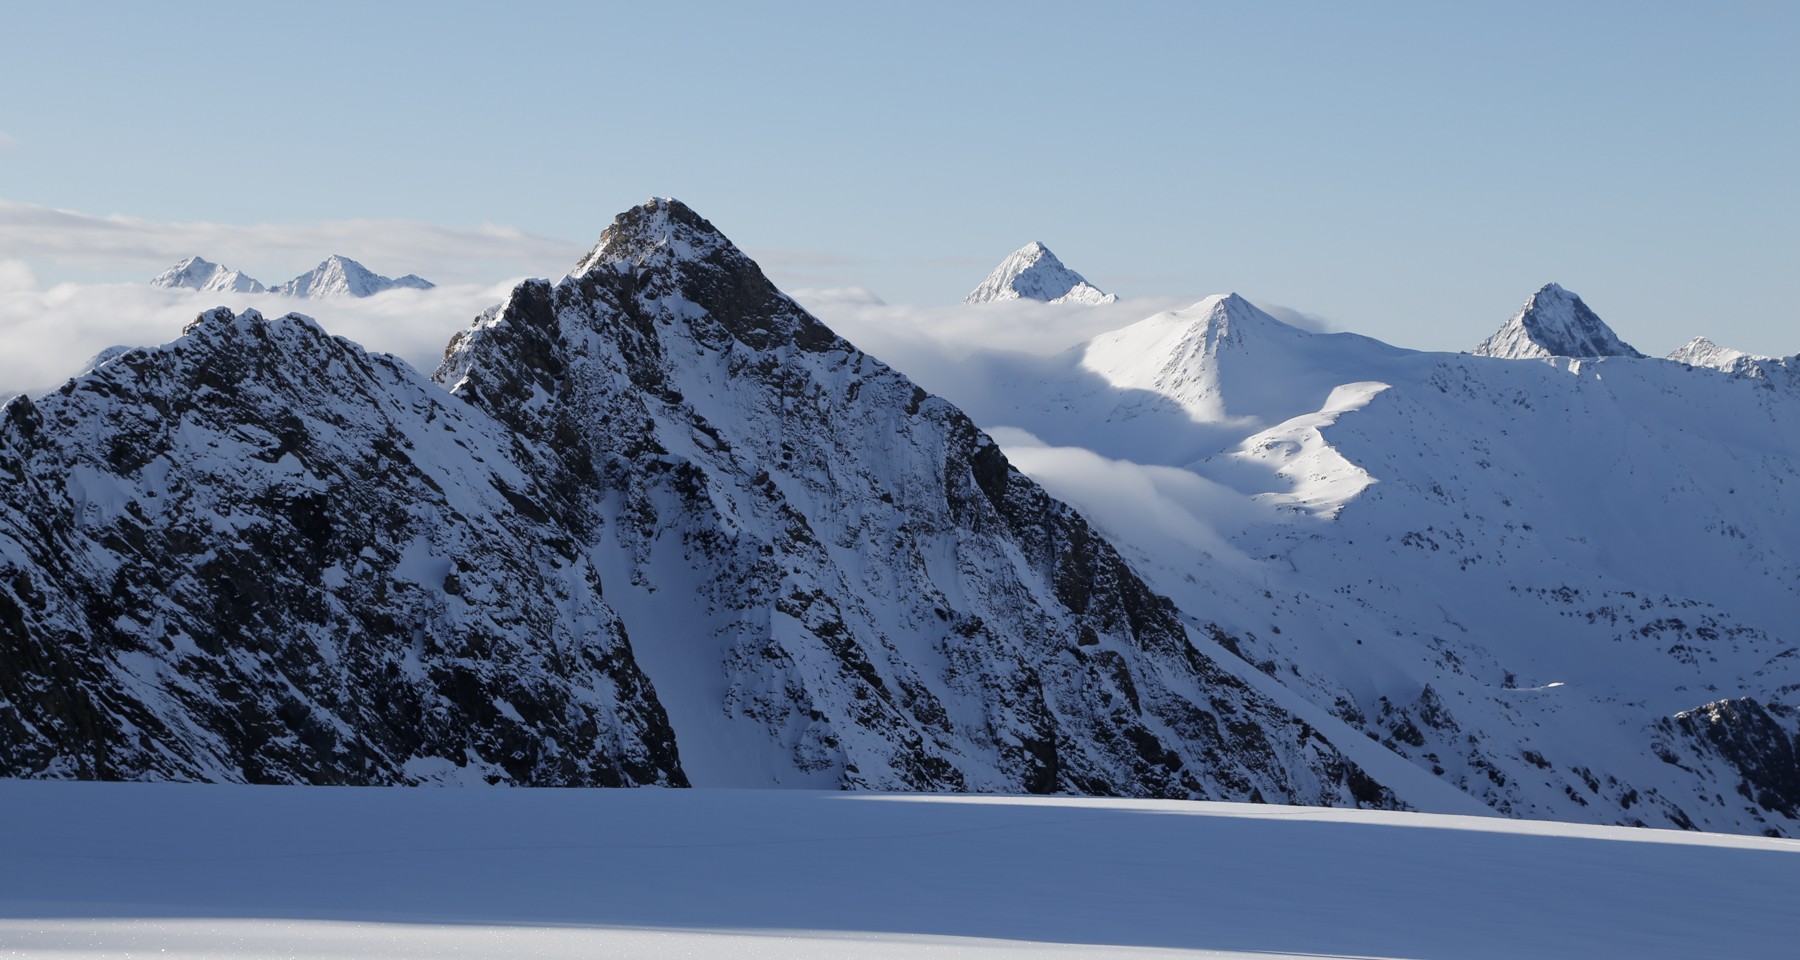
point(104, 869)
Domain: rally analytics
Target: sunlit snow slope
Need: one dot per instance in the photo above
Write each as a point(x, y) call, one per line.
point(130, 869)
point(1566, 586)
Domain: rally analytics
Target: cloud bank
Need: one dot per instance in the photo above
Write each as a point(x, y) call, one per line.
point(50, 334)
point(1169, 516)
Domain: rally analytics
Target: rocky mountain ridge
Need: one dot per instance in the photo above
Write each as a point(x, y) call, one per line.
point(196, 273)
point(664, 528)
point(335, 276)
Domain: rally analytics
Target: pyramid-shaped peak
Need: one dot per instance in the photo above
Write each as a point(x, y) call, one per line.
point(340, 276)
point(1554, 322)
point(1032, 272)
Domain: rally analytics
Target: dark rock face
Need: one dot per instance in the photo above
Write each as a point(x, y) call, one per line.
point(1757, 744)
point(260, 554)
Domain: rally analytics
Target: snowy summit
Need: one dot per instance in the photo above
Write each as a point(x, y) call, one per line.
point(1554, 323)
point(1032, 272)
point(196, 273)
point(344, 277)
point(1701, 352)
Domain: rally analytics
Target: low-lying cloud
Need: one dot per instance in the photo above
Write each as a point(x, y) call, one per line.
point(1172, 517)
point(51, 333)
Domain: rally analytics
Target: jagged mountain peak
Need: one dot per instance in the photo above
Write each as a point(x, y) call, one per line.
point(1554, 322)
point(662, 257)
point(1032, 272)
point(660, 226)
point(198, 273)
point(340, 276)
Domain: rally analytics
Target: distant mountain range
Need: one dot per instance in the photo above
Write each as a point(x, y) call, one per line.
point(336, 276)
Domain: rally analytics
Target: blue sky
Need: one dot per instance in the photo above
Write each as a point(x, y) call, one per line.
point(1407, 170)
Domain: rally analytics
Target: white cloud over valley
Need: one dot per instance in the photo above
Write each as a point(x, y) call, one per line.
point(51, 332)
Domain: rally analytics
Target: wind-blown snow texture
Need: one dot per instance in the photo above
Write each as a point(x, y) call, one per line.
point(195, 273)
point(1032, 272)
point(666, 526)
point(343, 277)
point(1565, 586)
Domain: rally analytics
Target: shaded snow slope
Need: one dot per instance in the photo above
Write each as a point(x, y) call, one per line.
point(1554, 323)
point(117, 869)
point(343, 277)
point(1032, 272)
point(1565, 587)
point(195, 273)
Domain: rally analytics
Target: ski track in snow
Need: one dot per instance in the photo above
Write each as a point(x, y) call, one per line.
point(212, 870)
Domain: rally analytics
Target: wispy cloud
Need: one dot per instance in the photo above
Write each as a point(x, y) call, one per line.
point(50, 333)
point(1296, 318)
point(8, 143)
point(121, 245)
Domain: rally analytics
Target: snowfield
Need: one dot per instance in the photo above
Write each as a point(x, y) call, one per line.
point(97, 869)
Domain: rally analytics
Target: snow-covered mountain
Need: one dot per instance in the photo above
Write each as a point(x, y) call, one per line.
point(1554, 323)
point(195, 273)
point(664, 527)
point(657, 524)
point(1566, 587)
point(343, 277)
point(838, 579)
point(1778, 373)
point(1701, 352)
point(1032, 272)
